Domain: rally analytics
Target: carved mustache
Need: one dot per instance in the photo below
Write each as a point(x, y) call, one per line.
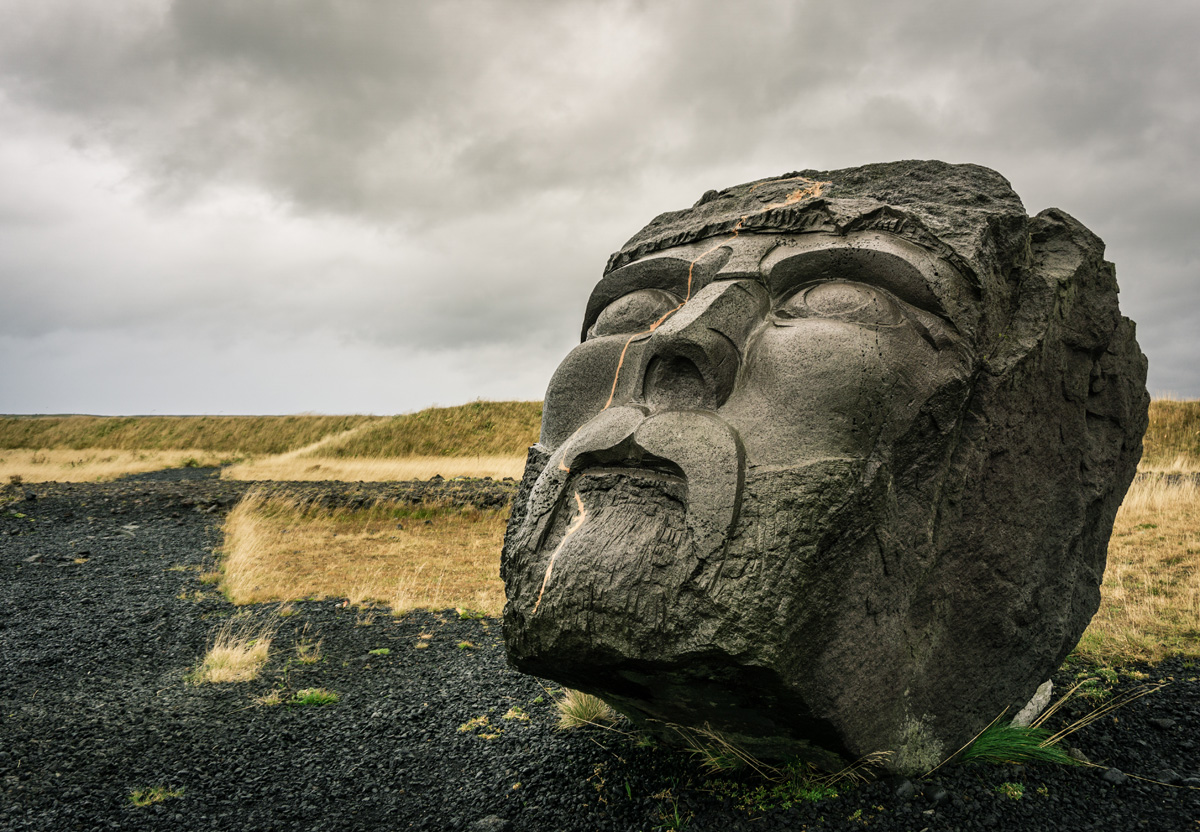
point(699, 443)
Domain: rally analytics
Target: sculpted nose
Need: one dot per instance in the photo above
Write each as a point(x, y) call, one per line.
point(692, 359)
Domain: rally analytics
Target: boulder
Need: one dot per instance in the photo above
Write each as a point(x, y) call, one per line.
point(834, 467)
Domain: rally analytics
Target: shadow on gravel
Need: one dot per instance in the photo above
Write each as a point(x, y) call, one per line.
point(104, 615)
point(173, 475)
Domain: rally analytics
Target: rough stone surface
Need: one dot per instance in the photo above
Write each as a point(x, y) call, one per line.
point(834, 468)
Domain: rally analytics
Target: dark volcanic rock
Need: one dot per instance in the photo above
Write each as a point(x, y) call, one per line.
point(835, 466)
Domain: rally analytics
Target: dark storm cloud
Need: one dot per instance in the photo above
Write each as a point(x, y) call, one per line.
point(453, 174)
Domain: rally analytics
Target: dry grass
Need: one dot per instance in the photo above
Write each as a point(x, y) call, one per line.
point(237, 653)
point(478, 429)
point(1150, 605)
point(280, 549)
point(1172, 441)
point(360, 469)
point(95, 465)
point(226, 434)
point(576, 709)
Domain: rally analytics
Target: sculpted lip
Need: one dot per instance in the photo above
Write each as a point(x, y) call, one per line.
point(694, 447)
point(660, 469)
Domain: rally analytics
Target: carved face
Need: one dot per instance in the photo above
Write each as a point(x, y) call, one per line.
point(726, 398)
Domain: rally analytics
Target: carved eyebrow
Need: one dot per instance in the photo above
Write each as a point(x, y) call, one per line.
point(859, 265)
point(669, 273)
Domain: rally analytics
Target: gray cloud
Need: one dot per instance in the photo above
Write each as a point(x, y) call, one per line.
point(448, 178)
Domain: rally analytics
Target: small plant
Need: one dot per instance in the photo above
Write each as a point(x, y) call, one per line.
point(576, 708)
point(644, 740)
point(314, 696)
point(380, 651)
point(309, 651)
point(155, 794)
point(473, 724)
point(671, 817)
point(1013, 791)
point(481, 726)
point(1043, 790)
point(469, 615)
point(270, 700)
point(236, 654)
point(516, 713)
point(15, 479)
point(465, 645)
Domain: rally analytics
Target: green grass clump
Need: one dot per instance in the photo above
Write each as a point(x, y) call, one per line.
point(155, 794)
point(1003, 742)
point(475, 429)
point(225, 434)
point(314, 696)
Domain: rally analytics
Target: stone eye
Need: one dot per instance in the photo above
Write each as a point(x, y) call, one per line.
point(634, 312)
point(843, 300)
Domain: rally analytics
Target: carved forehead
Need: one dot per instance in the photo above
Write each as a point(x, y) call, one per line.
point(784, 261)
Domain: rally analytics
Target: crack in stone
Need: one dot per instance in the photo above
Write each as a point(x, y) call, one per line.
point(574, 527)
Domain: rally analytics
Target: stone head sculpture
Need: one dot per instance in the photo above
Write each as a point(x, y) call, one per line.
point(834, 466)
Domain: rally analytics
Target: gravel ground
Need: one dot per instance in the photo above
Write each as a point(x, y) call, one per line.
point(103, 615)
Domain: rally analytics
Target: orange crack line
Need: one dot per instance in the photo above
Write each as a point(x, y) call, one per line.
point(550, 566)
point(691, 267)
point(811, 191)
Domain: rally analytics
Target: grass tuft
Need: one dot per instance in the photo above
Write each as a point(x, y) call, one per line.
point(152, 795)
point(576, 709)
point(1003, 742)
point(308, 651)
point(314, 696)
point(270, 699)
point(237, 652)
point(1013, 791)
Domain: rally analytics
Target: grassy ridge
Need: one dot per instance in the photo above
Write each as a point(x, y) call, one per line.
point(484, 429)
point(475, 429)
point(230, 434)
point(1173, 437)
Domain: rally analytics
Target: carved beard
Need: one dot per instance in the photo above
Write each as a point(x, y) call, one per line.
point(625, 557)
point(624, 578)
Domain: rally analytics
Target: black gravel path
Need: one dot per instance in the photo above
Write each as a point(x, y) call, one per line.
point(102, 614)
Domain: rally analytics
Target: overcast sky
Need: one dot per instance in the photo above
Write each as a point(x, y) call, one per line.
point(352, 206)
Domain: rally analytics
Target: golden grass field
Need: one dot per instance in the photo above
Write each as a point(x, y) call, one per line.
point(480, 439)
point(405, 557)
point(227, 435)
point(1150, 598)
point(1172, 441)
point(94, 464)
